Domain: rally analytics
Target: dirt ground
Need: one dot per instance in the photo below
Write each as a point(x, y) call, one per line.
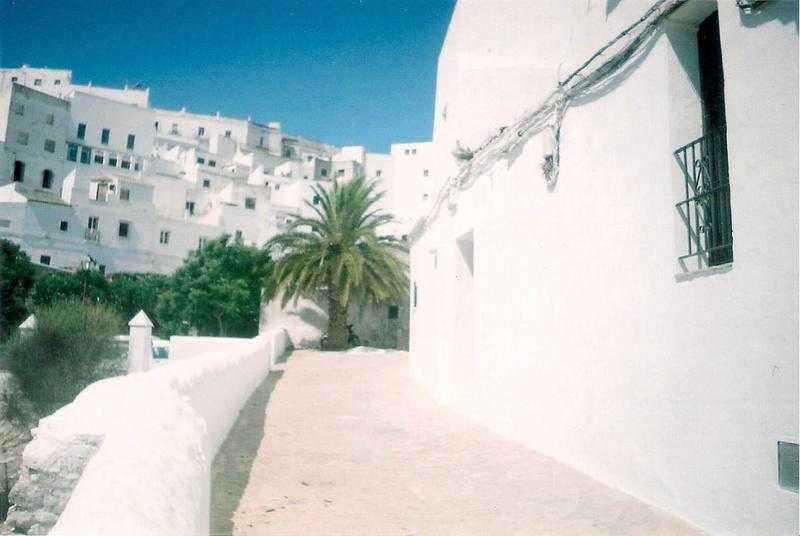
point(338, 443)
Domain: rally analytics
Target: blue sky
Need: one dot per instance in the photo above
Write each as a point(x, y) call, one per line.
point(347, 72)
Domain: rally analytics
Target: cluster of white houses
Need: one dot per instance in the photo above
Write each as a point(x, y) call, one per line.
point(95, 177)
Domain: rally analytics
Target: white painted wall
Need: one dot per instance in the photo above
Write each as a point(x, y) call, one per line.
point(160, 431)
point(590, 344)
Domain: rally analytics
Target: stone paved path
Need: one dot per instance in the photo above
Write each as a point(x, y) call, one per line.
point(340, 443)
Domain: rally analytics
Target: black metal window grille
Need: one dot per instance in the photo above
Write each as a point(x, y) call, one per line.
point(706, 208)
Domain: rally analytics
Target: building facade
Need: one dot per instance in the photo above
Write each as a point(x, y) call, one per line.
point(613, 280)
point(93, 176)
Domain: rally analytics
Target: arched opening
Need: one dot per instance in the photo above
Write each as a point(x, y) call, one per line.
point(47, 179)
point(19, 171)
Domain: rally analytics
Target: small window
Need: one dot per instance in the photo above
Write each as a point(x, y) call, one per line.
point(212, 163)
point(136, 166)
point(156, 125)
point(86, 155)
point(19, 171)
point(424, 172)
point(174, 129)
point(277, 187)
point(64, 226)
point(124, 227)
point(201, 242)
point(201, 131)
point(317, 199)
point(98, 158)
point(38, 82)
point(14, 79)
point(125, 164)
point(19, 108)
point(413, 151)
point(112, 161)
point(72, 152)
point(57, 82)
point(261, 141)
point(22, 138)
point(44, 259)
point(102, 269)
point(201, 160)
point(131, 141)
point(50, 119)
point(238, 236)
point(250, 203)
point(47, 179)
point(340, 173)
point(323, 172)
point(206, 183)
point(105, 135)
point(124, 194)
point(415, 295)
point(424, 197)
point(309, 158)
point(81, 131)
point(164, 237)
point(394, 312)
point(93, 223)
point(190, 208)
point(50, 146)
point(407, 152)
point(227, 133)
point(378, 173)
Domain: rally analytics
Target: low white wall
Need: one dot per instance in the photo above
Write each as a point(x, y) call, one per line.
point(182, 347)
point(159, 432)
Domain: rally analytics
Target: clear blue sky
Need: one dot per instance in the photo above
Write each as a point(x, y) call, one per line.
point(347, 72)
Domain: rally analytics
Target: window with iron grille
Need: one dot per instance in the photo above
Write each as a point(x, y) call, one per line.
point(706, 208)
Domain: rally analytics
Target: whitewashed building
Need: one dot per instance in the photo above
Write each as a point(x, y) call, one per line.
point(93, 176)
point(612, 276)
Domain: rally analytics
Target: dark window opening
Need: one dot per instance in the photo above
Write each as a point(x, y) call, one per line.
point(394, 312)
point(105, 135)
point(44, 259)
point(19, 171)
point(124, 227)
point(64, 226)
point(81, 131)
point(47, 179)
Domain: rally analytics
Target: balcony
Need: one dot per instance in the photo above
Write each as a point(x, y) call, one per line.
point(706, 209)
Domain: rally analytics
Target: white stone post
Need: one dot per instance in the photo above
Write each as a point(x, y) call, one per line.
point(140, 344)
point(26, 327)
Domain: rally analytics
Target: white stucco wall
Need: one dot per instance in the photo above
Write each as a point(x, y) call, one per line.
point(588, 344)
point(159, 432)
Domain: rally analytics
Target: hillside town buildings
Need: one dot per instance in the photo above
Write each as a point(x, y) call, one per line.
point(96, 177)
point(612, 277)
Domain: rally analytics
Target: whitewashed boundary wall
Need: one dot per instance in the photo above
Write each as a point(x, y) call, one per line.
point(184, 347)
point(157, 434)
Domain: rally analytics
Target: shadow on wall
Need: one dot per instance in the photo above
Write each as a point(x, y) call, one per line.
point(232, 464)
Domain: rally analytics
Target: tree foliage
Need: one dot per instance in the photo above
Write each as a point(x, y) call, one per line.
point(83, 285)
point(338, 255)
point(16, 280)
point(216, 292)
point(130, 293)
point(70, 347)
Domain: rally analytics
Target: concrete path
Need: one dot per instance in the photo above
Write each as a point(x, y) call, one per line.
point(341, 443)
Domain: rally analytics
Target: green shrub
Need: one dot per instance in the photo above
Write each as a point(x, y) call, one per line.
point(84, 285)
point(70, 347)
point(16, 280)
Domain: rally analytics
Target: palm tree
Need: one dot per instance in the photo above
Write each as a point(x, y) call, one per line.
point(338, 255)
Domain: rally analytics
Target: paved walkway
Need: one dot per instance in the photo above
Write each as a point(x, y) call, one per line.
point(347, 444)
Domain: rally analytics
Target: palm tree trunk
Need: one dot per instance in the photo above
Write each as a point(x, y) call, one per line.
point(337, 325)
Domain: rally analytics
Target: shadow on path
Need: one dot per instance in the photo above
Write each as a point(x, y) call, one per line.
point(231, 468)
